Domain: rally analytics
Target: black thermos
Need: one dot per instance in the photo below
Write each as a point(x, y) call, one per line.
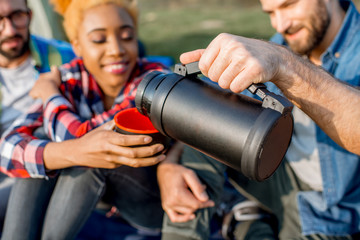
point(247, 134)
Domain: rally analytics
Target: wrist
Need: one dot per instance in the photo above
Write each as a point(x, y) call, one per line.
point(53, 160)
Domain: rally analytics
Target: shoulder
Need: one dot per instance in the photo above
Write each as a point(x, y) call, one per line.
point(73, 70)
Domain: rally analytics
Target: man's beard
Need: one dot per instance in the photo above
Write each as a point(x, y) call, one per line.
point(15, 53)
point(320, 21)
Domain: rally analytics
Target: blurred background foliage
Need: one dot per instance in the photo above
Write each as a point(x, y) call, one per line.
point(169, 27)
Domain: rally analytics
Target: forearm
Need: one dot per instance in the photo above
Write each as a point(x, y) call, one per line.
point(23, 160)
point(53, 157)
point(331, 104)
point(20, 150)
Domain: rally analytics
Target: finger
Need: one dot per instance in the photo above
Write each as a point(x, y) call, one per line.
point(176, 217)
point(183, 210)
point(139, 162)
point(210, 55)
point(134, 151)
point(192, 56)
point(207, 204)
point(229, 75)
point(249, 75)
point(196, 187)
point(127, 140)
point(189, 210)
point(216, 69)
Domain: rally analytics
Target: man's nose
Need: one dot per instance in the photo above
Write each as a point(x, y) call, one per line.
point(282, 22)
point(8, 28)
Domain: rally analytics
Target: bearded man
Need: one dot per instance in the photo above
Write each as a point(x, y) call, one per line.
point(22, 58)
point(314, 194)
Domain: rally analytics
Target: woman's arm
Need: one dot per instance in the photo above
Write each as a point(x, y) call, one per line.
point(26, 156)
point(20, 152)
point(61, 117)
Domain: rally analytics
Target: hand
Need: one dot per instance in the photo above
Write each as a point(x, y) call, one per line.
point(236, 62)
point(103, 148)
point(47, 85)
point(182, 193)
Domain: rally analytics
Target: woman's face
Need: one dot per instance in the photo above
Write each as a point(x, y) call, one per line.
point(107, 42)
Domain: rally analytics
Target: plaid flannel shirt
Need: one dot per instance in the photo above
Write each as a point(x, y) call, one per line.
point(70, 115)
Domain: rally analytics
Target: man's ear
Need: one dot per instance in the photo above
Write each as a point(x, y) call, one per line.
point(76, 47)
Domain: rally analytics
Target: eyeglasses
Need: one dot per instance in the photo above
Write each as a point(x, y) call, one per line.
point(19, 19)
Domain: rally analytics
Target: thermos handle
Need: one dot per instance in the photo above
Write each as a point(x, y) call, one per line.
point(270, 100)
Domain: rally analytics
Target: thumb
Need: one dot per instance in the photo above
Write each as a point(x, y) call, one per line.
point(107, 126)
point(192, 56)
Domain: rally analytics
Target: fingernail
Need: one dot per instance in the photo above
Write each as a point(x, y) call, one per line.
point(192, 217)
point(147, 139)
point(204, 195)
point(160, 148)
point(161, 157)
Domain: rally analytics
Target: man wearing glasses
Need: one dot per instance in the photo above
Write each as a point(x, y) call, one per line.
point(22, 58)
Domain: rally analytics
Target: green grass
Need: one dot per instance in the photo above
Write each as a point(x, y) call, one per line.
point(171, 27)
point(172, 31)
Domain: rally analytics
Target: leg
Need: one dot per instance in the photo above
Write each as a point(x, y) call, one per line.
point(5, 188)
point(277, 195)
point(135, 192)
point(26, 210)
point(75, 196)
point(211, 173)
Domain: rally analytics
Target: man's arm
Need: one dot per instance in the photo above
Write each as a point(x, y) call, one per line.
point(236, 62)
point(332, 104)
point(182, 193)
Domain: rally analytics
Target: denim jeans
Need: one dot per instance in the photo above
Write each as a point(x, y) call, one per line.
point(134, 191)
point(27, 207)
point(5, 187)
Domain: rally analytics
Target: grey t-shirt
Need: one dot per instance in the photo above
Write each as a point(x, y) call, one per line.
point(15, 86)
point(303, 152)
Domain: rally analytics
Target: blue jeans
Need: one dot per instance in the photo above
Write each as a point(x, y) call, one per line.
point(134, 191)
point(27, 206)
point(5, 187)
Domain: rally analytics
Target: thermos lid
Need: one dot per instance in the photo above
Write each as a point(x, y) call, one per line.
point(266, 145)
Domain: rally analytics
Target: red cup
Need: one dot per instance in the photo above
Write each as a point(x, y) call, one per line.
point(131, 121)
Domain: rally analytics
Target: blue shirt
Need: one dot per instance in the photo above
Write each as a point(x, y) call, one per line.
point(336, 210)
